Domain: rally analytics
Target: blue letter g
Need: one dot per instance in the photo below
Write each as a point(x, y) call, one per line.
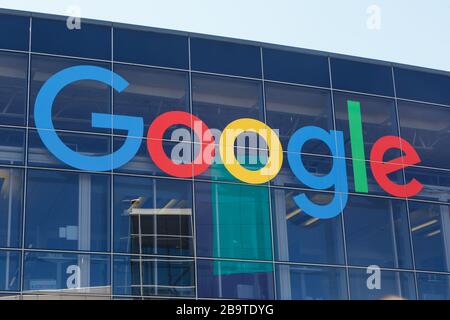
point(46, 130)
point(337, 177)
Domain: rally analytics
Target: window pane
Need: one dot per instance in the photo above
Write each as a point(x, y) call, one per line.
point(151, 92)
point(12, 146)
point(422, 86)
point(168, 277)
point(219, 101)
point(235, 280)
point(67, 211)
point(311, 283)
point(10, 270)
point(233, 221)
point(152, 216)
point(377, 233)
point(425, 127)
point(316, 165)
point(391, 285)
point(13, 88)
point(378, 117)
point(86, 144)
point(53, 36)
point(151, 48)
point(11, 197)
point(302, 238)
point(362, 77)
point(14, 32)
point(295, 67)
point(143, 164)
point(160, 276)
point(74, 105)
point(430, 230)
point(127, 276)
point(374, 187)
point(251, 158)
point(59, 274)
point(226, 58)
point(436, 183)
point(433, 286)
point(290, 108)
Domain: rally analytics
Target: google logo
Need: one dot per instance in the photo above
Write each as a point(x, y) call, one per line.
point(134, 126)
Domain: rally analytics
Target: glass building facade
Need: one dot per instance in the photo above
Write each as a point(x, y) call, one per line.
point(138, 233)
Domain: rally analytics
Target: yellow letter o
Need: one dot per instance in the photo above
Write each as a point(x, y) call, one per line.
point(226, 146)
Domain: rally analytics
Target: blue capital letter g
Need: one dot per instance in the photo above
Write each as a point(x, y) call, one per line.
point(46, 130)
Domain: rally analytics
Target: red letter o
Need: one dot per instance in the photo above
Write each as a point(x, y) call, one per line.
point(155, 147)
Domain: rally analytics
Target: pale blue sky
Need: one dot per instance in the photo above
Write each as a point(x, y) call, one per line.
point(413, 32)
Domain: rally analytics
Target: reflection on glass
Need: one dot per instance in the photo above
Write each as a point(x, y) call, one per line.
point(11, 196)
point(168, 277)
point(389, 285)
point(86, 144)
point(68, 211)
point(127, 276)
point(59, 274)
point(235, 280)
point(10, 270)
point(311, 283)
point(219, 100)
point(378, 116)
point(433, 286)
point(13, 88)
point(251, 158)
point(152, 216)
point(374, 187)
point(74, 105)
point(426, 127)
point(149, 276)
point(233, 221)
point(151, 92)
point(143, 164)
point(376, 232)
point(430, 228)
point(12, 146)
point(302, 238)
point(316, 165)
point(436, 183)
point(290, 108)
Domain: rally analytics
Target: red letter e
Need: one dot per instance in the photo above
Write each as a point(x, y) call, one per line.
point(381, 169)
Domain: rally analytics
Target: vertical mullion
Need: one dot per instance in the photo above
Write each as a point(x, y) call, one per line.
point(25, 173)
point(272, 235)
point(404, 180)
point(344, 240)
point(193, 215)
point(111, 238)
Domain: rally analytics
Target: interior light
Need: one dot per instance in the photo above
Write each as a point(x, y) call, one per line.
point(424, 225)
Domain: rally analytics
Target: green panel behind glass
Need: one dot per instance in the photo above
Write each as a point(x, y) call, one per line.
point(241, 222)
